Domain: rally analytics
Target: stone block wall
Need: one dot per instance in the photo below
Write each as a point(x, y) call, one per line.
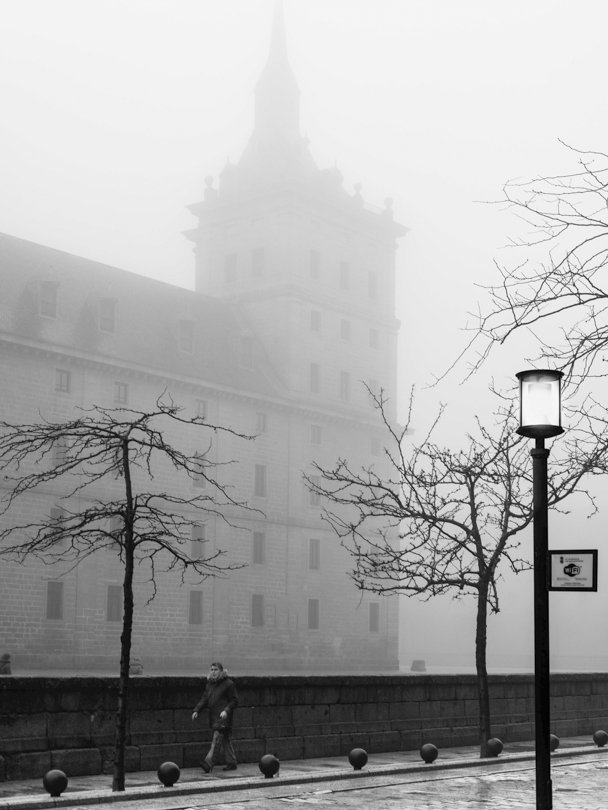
point(68, 723)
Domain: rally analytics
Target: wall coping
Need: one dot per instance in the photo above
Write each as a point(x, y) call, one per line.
point(28, 682)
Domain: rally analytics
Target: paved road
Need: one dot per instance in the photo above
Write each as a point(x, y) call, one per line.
point(577, 785)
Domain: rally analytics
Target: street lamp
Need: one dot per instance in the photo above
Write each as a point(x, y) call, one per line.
point(539, 419)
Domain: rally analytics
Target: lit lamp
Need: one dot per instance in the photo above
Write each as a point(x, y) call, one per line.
point(540, 417)
point(540, 404)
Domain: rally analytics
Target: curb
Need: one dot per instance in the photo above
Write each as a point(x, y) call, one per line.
point(93, 797)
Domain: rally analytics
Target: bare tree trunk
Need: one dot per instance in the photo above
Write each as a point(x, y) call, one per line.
point(118, 779)
point(481, 637)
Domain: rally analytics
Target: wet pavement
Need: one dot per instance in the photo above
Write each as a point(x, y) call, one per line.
point(457, 779)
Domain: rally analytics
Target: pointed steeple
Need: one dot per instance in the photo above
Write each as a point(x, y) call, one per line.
point(277, 95)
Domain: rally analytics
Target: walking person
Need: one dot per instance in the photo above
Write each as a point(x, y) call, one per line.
point(221, 699)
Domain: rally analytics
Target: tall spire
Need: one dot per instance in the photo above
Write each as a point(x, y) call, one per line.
point(277, 96)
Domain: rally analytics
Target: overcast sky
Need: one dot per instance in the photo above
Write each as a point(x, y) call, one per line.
point(114, 111)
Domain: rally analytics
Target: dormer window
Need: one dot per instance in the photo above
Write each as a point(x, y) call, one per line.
point(48, 298)
point(107, 315)
point(121, 392)
point(185, 337)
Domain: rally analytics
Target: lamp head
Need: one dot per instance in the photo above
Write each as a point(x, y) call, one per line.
point(540, 403)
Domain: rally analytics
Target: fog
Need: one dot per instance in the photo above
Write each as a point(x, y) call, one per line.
point(114, 111)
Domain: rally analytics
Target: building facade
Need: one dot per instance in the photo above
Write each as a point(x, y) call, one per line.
point(292, 316)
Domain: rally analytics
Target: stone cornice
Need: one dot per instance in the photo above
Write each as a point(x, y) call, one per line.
point(286, 404)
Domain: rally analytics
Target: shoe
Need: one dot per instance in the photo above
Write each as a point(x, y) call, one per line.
point(231, 766)
point(206, 766)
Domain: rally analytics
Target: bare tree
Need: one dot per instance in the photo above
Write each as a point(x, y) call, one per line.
point(561, 282)
point(435, 521)
point(119, 468)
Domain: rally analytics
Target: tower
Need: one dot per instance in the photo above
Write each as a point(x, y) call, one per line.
point(310, 268)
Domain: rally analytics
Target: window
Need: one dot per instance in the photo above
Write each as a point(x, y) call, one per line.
point(344, 385)
point(106, 315)
point(116, 526)
point(114, 603)
point(259, 548)
point(196, 543)
point(313, 614)
point(373, 391)
point(259, 481)
point(315, 263)
point(195, 607)
point(246, 353)
point(345, 330)
point(121, 393)
point(56, 515)
point(48, 299)
point(230, 274)
point(54, 600)
point(374, 617)
point(257, 610)
point(198, 474)
point(315, 320)
point(373, 338)
point(257, 262)
point(314, 499)
point(372, 285)
point(63, 380)
point(375, 446)
point(261, 423)
point(344, 276)
point(315, 434)
point(314, 378)
point(186, 336)
point(314, 554)
point(60, 451)
point(200, 408)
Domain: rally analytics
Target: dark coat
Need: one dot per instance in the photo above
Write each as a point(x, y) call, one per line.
point(219, 696)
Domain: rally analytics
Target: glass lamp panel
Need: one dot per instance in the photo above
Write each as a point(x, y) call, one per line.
point(540, 400)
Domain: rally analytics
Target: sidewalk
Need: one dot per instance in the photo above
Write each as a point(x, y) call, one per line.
point(29, 794)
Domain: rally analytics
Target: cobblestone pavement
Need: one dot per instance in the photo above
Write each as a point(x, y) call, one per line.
point(580, 785)
point(395, 780)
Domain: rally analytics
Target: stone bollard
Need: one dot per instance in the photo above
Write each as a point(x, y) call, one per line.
point(429, 753)
point(269, 765)
point(358, 758)
point(168, 773)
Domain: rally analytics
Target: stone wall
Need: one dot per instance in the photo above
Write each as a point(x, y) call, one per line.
point(68, 723)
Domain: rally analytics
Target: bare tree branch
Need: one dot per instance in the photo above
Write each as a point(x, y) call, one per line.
point(432, 521)
point(113, 460)
point(561, 283)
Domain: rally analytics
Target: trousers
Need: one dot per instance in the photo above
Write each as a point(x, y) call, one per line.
point(221, 744)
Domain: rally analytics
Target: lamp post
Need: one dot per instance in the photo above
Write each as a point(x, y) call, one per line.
point(539, 419)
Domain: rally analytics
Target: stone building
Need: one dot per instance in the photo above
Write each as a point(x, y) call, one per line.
point(293, 310)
